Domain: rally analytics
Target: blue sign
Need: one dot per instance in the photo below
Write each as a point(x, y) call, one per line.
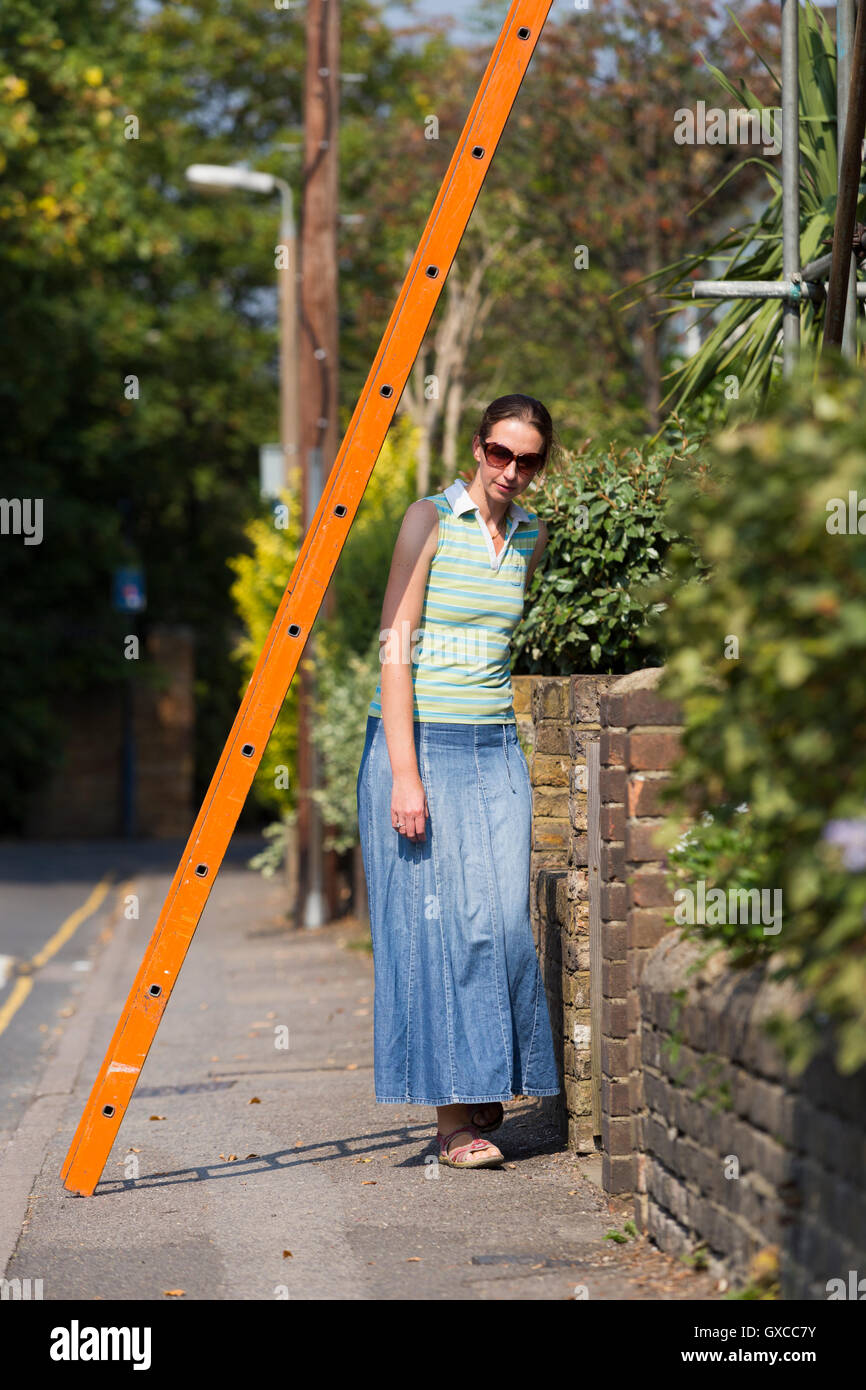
point(127, 594)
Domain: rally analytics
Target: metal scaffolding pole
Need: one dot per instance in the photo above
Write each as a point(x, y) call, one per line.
point(790, 177)
point(808, 283)
point(845, 14)
point(849, 188)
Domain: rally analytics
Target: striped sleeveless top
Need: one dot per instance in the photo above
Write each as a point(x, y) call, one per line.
point(473, 600)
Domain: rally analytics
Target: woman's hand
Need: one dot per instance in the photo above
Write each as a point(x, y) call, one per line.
point(409, 809)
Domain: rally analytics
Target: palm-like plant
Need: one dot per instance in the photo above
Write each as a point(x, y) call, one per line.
point(744, 342)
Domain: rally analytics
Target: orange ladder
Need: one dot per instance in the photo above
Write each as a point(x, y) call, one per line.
point(317, 558)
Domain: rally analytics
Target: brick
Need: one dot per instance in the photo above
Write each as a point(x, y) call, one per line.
point(614, 1057)
point(614, 1018)
point(575, 990)
point(618, 1134)
point(655, 750)
point(548, 770)
point(552, 736)
point(612, 823)
point(550, 696)
point(613, 745)
point(614, 979)
point(644, 707)
point(649, 888)
point(549, 833)
point(522, 690)
point(612, 862)
point(587, 693)
point(615, 1096)
point(614, 938)
point(611, 783)
point(618, 1175)
point(614, 902)
point(550, 801)
point(640, 841)
point(644, 794)
point(647, 926)
point(581, 1138)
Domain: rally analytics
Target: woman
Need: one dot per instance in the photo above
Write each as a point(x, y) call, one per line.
point(445, 804)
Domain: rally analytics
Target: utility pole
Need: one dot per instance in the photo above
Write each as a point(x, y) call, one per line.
point(318, 434)
point(849, 183)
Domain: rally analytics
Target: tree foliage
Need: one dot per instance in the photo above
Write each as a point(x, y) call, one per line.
point(765, 652)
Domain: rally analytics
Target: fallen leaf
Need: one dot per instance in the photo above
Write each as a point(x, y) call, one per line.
point(229, 1158)
point(203, 1006)
point(362, 1160)
point(353, 1066)
point(299, 1143)
point(174, 1293)
point(253, 1155)
point(413, 1259)
point(255, 1101)
point(272, 1014)
point(131, 1150)
point(369, 1182)
point(156, 1117)
point(287, 1255)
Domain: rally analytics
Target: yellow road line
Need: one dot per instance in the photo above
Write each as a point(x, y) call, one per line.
point(24, 983)
point(20, 991)
point(72, 923)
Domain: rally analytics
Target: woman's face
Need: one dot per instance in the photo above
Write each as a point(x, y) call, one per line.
point(521, 438)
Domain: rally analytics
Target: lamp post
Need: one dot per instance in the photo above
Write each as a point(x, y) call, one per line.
point(222, 178)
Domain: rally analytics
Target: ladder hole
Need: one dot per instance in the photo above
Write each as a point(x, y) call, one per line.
point(340, 509)
point(201, 870)
point(432, 271)
point(294, 629)
point(248, 750)
point(386, 391)
point(478, 152)
point(523, 32)
point(108, 1111)
point(155, 991)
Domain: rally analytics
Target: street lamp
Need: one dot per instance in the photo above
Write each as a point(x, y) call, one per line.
point(223, 178)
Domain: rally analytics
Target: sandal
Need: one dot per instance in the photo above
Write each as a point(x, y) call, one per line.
point(453, 1159)
point(491, 1124)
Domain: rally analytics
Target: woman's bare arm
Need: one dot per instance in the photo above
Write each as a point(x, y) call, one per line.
point(399, 630)
point(537, 552)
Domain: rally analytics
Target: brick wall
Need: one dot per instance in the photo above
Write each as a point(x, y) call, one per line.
point(82, 797)
point(739, 1153)
point(557, 718)
point(639, 742)
point(701, 1121)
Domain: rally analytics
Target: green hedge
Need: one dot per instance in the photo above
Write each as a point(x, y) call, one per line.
point(766, 652)
point(609, 536)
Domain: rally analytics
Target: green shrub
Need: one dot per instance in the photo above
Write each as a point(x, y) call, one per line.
point(765, 653)
point(609, 536)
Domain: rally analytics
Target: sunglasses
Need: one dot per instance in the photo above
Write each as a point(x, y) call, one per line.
point(498, 456)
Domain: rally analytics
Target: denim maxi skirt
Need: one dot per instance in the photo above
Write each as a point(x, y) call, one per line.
point(460, 1012)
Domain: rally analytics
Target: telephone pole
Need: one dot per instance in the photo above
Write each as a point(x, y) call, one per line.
point(319, 424)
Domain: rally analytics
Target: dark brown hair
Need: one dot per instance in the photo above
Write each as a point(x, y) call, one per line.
point(527, 409)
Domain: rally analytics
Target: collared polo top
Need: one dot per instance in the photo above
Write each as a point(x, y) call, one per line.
point(473, 600)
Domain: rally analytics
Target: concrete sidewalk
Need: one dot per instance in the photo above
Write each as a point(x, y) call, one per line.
point(246, 1170)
